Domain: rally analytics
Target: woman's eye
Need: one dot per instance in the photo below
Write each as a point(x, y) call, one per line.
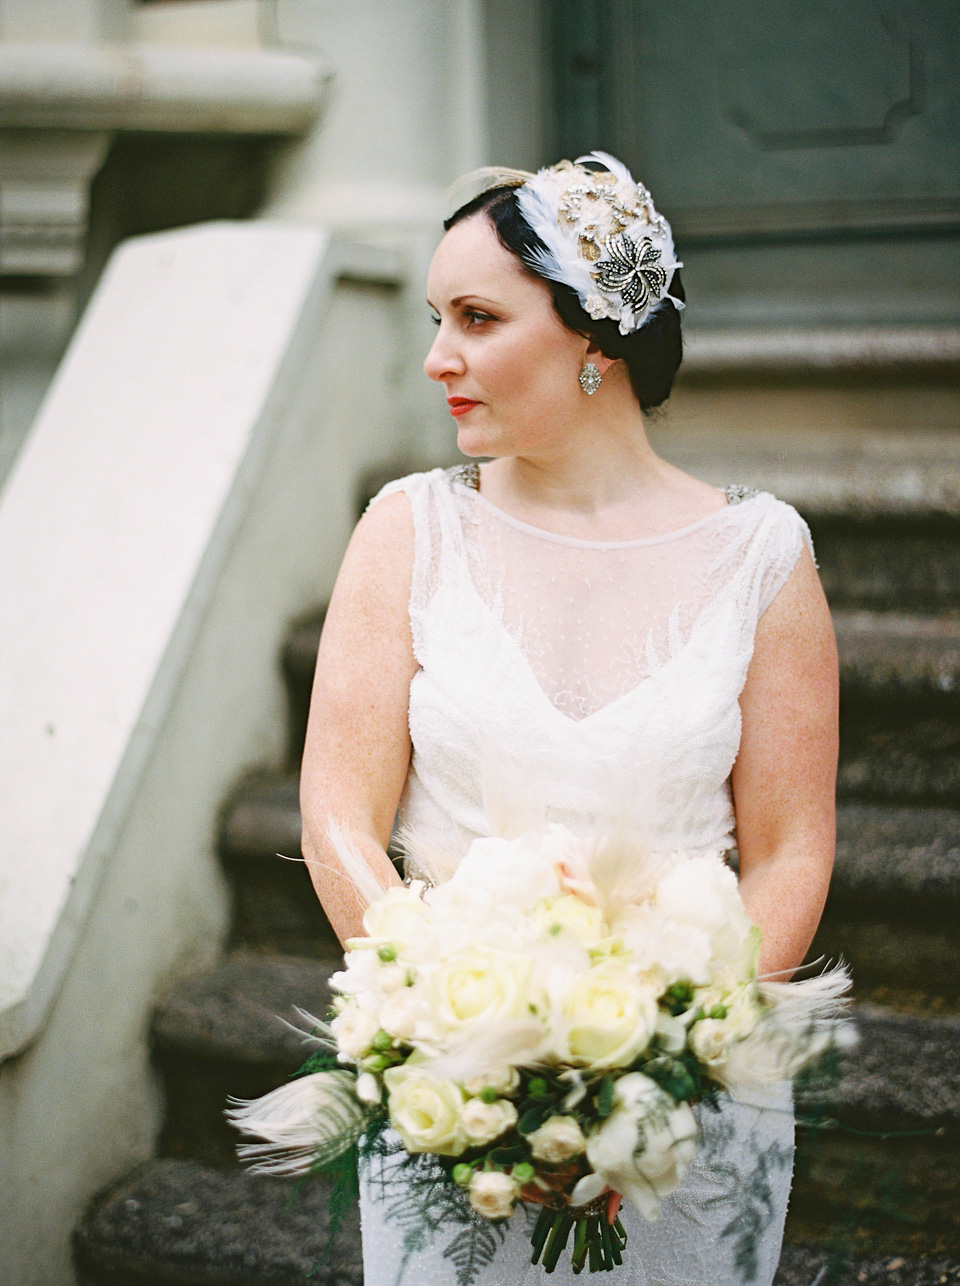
point(435, 319)
point(477, 317)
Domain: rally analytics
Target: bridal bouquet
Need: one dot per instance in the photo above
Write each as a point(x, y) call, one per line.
point(541, 1023)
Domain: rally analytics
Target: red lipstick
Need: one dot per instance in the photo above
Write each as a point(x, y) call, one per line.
point(461, 405)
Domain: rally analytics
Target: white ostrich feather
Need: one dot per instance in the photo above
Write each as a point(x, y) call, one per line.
point(511, 1043)
point(805, 1018)
point(306, 1123)
point(356, 867)
point(562, 261)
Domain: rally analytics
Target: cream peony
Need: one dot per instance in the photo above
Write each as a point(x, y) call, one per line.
point(493, 1194)
point(354, 1029)
point(425, 1110)
point(487, 1121)
point(514, 871)
point(645, 1145)
point(610, 1016)
point(703, 892)
point(557, 1140)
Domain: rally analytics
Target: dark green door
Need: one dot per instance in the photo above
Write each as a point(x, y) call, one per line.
point(806, 151)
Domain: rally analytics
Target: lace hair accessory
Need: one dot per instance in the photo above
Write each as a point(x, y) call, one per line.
point(602, 235)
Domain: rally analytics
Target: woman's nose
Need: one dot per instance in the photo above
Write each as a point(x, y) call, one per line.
point(442, 360)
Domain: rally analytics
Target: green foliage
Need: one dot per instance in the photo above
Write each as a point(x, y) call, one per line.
point(606, 1097)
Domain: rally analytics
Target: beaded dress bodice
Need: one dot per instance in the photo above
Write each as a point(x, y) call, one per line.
point(605, 675)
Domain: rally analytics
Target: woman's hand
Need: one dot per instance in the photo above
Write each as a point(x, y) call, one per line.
point(784, 780)
point(358, 742)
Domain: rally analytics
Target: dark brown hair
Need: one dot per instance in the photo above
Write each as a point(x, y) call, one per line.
point(652, 354)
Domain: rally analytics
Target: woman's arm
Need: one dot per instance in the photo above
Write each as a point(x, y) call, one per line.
point(784, 780)
point(358, 743)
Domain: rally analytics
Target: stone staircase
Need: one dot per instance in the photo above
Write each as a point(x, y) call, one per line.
point(877, 1201)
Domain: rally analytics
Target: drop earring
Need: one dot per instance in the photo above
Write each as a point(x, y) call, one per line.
point(590, 379)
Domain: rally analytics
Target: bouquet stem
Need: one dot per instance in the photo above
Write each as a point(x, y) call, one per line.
point(597, 1243)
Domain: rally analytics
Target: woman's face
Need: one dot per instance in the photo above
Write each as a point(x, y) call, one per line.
point(509, 365)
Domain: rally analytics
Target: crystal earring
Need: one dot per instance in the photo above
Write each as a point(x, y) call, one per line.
point(590, 379)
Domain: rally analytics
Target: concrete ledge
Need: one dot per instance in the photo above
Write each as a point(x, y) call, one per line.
point(813, 351)
point(136, 87)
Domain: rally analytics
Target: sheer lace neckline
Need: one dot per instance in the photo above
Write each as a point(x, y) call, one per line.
point(734, 495)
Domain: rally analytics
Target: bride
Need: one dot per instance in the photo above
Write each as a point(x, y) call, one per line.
point(578, 616)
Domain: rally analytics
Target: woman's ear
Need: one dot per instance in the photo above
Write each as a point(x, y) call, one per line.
point(599, 359)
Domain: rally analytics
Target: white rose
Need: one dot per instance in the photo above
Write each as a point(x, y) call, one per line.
point(504, 1081)
point(610, 1016)
point(399, 918)
point(487, 1121)
point(492, 1194)
point(425, 1110)
point(582, 919)
point(709, 1040)
point(645, 1145)
point(479, 988)
point(354, 1029)
point(557, 1140)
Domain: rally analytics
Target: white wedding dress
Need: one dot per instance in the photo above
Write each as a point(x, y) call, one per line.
point(605, 678)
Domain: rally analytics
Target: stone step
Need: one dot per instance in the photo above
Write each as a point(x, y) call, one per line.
point(221, 1032)
point(905, 562)
point(298, 661)
point(894, 904)
point(179, 1223)
point(899, 707)
point(274, 904)
point(174, 1223)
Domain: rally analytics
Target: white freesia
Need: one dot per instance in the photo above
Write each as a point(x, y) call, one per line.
point(493, 1194)
point(368, 1089)
point(404, 1015)
point(557, 1140)
point(354, 1029)
point(485, 1122)
point(645, 1145)
point(610, 1016)
point(425, 1110)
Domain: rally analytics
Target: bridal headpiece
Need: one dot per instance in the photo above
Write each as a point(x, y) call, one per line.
point(602, 236)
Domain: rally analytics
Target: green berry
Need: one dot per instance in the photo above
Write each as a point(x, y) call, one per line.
point(462, 1174)
point(387, 953)
point(488, 1094)
point(718, 1011)
point(538, 1087)
point(524, 1173)
point(382, 1041)
point(376, 1063)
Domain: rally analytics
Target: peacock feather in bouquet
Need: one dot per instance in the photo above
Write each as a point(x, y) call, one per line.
point(539, 1019)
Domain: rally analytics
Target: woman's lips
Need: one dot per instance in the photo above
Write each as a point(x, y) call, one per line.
point(461, 405)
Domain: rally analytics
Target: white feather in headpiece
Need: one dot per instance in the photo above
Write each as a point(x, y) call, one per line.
point(603, 238)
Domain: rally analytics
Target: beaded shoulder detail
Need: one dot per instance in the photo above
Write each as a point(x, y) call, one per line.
point(736, 493)
point(468, 475)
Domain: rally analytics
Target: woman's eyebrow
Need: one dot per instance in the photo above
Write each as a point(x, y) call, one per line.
point(459, 299)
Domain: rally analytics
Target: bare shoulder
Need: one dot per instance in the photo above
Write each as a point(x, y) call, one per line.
point(378, 564)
